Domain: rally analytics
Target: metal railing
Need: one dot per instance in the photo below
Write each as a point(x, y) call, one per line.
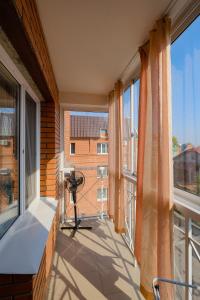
point(187, 250)
point(156, 287)
point(130, 209)
point(186, 240)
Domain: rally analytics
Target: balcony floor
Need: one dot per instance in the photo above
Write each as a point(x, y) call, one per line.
point(94, 265)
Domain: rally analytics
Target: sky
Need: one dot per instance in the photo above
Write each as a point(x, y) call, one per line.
point(79, 113)
point(185, 57)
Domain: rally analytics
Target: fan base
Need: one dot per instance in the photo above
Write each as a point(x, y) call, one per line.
point(76, 227)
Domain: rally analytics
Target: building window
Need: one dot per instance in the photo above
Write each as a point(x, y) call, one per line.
point(102, 194)
point(102, 148)
point(72, 148)
point(30, 149)
point(102, 171)
point(71, 198)
point(103, 133)
point(130, 127)
point(9, 150)
point(185, 56)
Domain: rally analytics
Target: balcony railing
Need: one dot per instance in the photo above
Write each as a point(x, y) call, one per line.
point(187, 250)
point(186, 238)
point(130, 209)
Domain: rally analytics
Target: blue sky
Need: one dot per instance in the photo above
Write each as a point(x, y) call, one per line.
point(185, 56)
point(80, 113)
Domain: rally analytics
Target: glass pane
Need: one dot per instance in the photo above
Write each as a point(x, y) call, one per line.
point(127, 129)
point(135, 125)
point(30, 149)
point(195, 258)
point(98, 148)
point(185, 55)
point(9, 154)
point(86, 128)
point(179, 252)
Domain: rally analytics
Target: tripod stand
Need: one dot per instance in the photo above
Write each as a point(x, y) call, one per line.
point(76, 220)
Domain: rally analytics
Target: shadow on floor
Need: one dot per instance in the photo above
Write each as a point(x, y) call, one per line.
point(94, 265)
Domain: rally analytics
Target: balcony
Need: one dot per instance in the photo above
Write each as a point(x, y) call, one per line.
point(142, 181)
point(95, 264)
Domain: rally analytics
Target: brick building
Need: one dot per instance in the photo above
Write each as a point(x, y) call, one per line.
point(86, 149)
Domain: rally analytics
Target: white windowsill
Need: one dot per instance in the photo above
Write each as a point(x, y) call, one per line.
point(22, 247)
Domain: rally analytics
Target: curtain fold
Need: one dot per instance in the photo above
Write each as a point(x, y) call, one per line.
point(141, 142)
point(116, 185)
point(111, 156)
point(154, 187)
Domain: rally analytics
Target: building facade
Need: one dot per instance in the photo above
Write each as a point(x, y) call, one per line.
point(86, 150)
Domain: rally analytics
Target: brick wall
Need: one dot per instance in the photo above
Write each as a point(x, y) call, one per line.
point(29, 287)
point(50, 148)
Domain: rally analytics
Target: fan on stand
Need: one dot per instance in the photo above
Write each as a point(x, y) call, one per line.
point(74, 183)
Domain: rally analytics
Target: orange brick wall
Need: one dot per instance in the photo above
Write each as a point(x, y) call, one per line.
point(86, 157)
point(50, 149)
point(31, 287)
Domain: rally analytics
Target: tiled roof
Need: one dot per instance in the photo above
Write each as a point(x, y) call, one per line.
point(87, 126)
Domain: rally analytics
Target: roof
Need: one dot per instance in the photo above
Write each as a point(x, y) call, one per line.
point(87, 126)
point(7, 124)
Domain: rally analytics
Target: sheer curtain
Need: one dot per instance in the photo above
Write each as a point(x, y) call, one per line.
point(30, 151)
point(155, 163)
point(116, 186)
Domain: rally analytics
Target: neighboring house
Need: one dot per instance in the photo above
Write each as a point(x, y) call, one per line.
point(8, 160)
point(86, 148)
point(187, 170)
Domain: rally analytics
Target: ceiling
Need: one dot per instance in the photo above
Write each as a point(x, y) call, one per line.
point(91, 41)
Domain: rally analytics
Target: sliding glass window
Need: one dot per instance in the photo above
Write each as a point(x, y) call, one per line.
point(185, 55)
point(30, 149)
point(127, 155)
point(136, 90)
point(9, 149)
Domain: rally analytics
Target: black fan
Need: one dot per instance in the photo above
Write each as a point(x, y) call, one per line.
point(74, 183)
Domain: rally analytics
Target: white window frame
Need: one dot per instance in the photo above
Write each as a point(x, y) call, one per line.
point(102, 199)
point(71, 149)
point(98, 172)
point(104, 136)
point(101, 153)
point(24, 87)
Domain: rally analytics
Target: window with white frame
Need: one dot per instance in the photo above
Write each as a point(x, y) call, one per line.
point(71, 198)
point(127, 157)
point(185, 57)
point(102, 148)
point(72, 148)
point(130, 126)
point(19, 146)
point(30, 148)
point(102, 194)
point(103, 133)
point(9, 151)
point(102, 171)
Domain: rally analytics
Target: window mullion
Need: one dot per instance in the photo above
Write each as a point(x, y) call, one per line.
point(132, 128)
point(22, 150)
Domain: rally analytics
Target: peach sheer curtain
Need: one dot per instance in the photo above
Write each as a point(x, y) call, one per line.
point(154, 199)
point(116, 186)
